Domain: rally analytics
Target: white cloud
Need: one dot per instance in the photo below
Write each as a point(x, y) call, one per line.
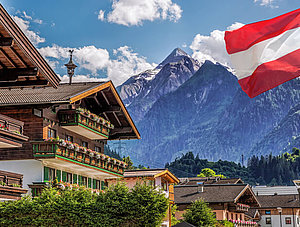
point(38, 21)
point(101, 15)
point(212, 47)
point(24, 25)
point(266, 3)
point(80, 78)
point(124, 63)
point(127, 64)
point(134, 12)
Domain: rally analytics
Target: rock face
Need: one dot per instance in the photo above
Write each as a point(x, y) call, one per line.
point(141, 91)
point(205, 111)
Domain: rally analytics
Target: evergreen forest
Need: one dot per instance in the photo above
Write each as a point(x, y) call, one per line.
point(264, 170)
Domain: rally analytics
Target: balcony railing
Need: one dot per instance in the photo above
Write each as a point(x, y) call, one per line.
point(88, 124)
point(11, 132)
point(54, 148)
point(11, 186)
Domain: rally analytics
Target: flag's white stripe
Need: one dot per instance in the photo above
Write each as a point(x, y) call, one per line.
point(245, 62)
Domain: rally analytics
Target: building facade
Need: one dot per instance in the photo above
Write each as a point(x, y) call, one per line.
point(67, 127)
point(227, 201)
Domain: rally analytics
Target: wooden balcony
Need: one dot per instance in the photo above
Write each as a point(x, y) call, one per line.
point(85, 123)
point(11, 186)
point(11, 132)
point(64, 154)
point(239, 207)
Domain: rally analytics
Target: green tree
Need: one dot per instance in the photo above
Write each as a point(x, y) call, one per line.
point(200, 215)
point(207, 172)
point(129, 162)
point(117, 206)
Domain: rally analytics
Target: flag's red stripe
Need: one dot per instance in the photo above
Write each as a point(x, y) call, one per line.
point(250, 34)
point(272, 74)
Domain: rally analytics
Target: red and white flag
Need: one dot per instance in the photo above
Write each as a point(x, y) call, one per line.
point(267, 53)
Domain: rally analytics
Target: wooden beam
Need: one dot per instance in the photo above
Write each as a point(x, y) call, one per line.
point(121, 130)
point(111, 109)
point(19, 57)
point(6, 41)
point(8, 58)
point(104, 96)
point(115, 115)
point(7, 75)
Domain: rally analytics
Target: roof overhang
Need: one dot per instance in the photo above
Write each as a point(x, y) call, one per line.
point(106, 101)
point(21, 65)
point(171, 177)
point(247, 188)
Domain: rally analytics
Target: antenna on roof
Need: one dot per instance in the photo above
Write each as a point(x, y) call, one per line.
point(70, 67)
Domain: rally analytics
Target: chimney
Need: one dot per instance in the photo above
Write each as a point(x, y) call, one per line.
point(200, 186)
point(70, 67)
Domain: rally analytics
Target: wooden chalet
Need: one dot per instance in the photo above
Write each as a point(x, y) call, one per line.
point(21, 65)
point(67, 127)
point(280, 206)
point(228, 201)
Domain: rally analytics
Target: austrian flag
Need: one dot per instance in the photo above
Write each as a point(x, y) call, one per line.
point(267, 53)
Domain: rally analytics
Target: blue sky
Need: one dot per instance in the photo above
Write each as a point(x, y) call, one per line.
point(133, 35)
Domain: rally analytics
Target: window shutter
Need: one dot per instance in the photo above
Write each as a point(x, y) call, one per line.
point(94, 183)
point(64, 176)
point(89, 183)
point(46, 174)
point(75, 178)
point(58, 175)
point(102, 185)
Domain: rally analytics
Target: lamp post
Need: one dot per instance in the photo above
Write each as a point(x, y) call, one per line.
point(70, 67)
point(280, 211)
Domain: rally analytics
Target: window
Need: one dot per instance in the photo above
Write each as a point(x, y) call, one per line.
point(85, 144)
point(98, 149)
point(84, 181)
point(97, 184)
point(69, 138)
point(288, 220)
point(164, 185)
point(267, 212)
point(268, 221)
point(51, 133)
point(69, 178)
point(51, 174)
point(231, 215)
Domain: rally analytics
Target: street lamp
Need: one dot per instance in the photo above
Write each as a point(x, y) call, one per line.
point(70, 67)
point(280, 211)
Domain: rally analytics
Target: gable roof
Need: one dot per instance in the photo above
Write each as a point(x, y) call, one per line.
point(44, 95)
point(274, 201)
point(21, 64)
point(271, 190)
point(151, 173)
point(186, 194)
point(210, 180)
point(103, 96)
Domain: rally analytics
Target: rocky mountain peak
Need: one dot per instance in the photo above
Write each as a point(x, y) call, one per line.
point(176, 55)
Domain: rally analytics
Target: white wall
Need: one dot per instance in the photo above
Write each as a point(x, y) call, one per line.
point(32, 170)
point(275, 220)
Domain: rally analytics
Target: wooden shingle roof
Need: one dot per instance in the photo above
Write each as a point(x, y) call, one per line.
point(274, 201)
point(230, 193)
point(44, 95)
